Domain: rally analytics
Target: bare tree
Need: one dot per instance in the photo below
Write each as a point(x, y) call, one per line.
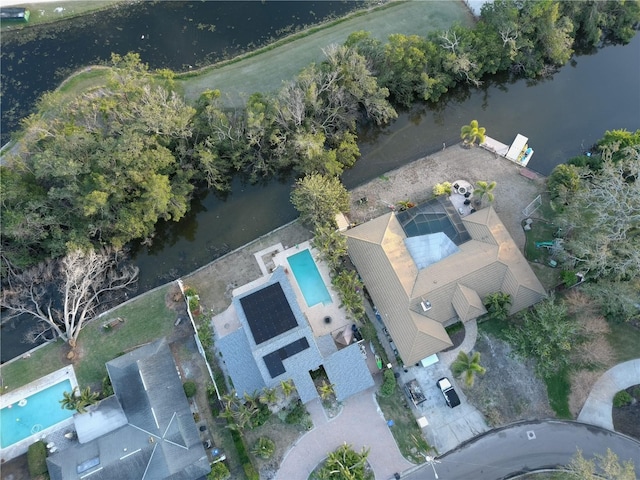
point(67, 292)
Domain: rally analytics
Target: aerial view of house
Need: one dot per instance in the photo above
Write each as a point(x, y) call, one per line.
point(428, 267)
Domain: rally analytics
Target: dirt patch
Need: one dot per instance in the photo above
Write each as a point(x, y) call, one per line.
point(414, 182)
point(627, 419)
point(509, 391)
point(282, 434)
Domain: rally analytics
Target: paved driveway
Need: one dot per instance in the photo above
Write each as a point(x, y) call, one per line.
point(360, 424)
point(597, 408)
point(448, 427)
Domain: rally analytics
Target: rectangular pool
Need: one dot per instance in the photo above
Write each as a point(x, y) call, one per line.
point(33, 414)
point(308, 277)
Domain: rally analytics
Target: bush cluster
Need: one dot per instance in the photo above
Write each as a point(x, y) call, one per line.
point(37, 459)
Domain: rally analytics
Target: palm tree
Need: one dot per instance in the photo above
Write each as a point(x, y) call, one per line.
point(326, 390)
point(485, 189)
point(79, 400)
point(269, 396)
point(69, 400)
point(287, 387)
point(467, 366)
point(498, 304)
point(472, 133)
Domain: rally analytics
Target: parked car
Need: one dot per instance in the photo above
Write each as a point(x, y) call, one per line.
point(448, 392)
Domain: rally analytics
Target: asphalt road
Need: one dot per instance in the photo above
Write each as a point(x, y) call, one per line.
point(525, 447)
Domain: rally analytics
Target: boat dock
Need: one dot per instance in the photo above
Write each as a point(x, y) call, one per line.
point(519, 152)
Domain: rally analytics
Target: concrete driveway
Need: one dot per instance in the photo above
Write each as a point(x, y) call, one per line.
point(597, 408)
point(448, 427)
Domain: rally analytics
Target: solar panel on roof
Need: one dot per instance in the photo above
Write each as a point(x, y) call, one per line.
point(273, 360)
point(268, 313)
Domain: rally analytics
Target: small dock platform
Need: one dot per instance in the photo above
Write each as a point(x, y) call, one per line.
point(519, 152)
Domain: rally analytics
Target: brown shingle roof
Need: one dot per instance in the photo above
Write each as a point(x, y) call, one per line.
point(487, 263)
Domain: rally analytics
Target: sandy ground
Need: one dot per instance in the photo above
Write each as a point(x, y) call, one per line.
point(415, 182)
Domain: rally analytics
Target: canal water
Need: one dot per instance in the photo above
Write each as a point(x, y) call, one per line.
point(562, 115)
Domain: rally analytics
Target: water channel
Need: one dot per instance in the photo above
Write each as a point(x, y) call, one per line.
point(562, 116)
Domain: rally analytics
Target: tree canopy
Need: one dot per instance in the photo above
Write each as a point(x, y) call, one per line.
point(318, 198)
point(97, 169)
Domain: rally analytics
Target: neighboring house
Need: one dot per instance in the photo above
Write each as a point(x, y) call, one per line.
point(426, 268)
point(145, 431)
point(274, 342)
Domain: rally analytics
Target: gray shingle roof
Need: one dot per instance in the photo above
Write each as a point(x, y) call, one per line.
point(245, 360)
point(160, 440)
point(348, 372)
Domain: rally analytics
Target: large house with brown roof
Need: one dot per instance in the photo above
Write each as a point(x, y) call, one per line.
point(428, 267)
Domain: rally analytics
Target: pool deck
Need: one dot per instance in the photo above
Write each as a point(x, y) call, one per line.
point(275, 256)
point(13, 397)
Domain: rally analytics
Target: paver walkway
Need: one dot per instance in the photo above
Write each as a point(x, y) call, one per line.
point(470, 337)
point(360, 424)
point(597, 408)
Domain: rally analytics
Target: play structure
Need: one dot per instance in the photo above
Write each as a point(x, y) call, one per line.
point(545, 244)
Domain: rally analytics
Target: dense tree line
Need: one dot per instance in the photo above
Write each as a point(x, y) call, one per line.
point(102, 168)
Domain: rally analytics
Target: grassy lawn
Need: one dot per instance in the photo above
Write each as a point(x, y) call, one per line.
point(46, 12)
point(43, 361)
point(558, 389)
point(404, 424)
point(266, 69)
point(146, 319)
point(625, 340)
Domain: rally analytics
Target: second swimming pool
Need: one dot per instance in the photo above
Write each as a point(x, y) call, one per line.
point(33, 414)
point(309, 279)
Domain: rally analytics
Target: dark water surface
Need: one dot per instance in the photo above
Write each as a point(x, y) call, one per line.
point(562, 116)
point(175, 35)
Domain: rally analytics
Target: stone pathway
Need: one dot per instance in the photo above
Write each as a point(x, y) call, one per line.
point(360, 424)
point(597, 408)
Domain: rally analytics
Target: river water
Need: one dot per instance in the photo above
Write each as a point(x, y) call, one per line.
point(562, 116)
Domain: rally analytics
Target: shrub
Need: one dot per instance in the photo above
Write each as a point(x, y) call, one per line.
point(442, 189)
point(622, 399)
point(296, 415)
point(389, 384)
point(205, 336)
point(250, 471)
point(264, 448)
point(261, 416)
point(37, 459)
point(190, 292)
point(569, 277)
point(219, 471)
point(107, 388)
point(190, 388)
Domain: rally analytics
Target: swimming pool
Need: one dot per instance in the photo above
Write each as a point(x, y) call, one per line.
point(33, 414)
point(309, 279)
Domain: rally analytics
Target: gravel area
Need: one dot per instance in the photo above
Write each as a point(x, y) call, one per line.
point(509, 391)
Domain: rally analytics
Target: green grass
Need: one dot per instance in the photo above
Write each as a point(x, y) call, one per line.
point(43, 361)
point(540, 232)
point(266, 69)
point(45, 12)
point(625, 341)
point(558, 390)
point(494, 327)
point(404, 424)
point(146, 319)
